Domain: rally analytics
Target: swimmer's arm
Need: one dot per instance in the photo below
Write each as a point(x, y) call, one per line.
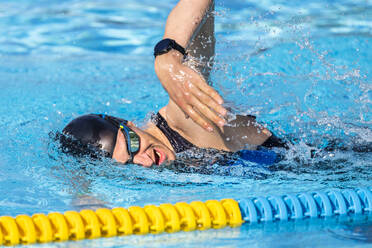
point(241, 132)
point(201, 48)
point(187, 88)
point(184, 20)
point(244, 132)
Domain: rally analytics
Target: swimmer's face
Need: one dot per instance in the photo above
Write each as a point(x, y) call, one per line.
point(152, 151)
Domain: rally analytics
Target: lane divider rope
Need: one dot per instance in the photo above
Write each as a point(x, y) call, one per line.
point(89, 224)
point(197, 215)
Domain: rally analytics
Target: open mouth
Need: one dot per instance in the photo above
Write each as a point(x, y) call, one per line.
point(159, 156)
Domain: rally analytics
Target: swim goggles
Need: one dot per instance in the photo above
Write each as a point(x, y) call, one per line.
point(132, 138)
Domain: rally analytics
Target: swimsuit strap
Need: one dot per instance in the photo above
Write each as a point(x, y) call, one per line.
point(178, 143)
point(274, 141)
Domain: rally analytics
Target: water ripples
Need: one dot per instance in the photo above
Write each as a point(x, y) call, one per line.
point(132, 27)
point(303, 70)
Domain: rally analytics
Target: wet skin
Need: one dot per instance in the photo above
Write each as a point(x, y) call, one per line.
point(152, 150)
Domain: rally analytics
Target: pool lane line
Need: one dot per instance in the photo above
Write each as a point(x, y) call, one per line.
point(89, 224)
point(197, 215)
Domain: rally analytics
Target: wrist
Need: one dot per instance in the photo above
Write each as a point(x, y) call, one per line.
point(171, 56)
point(165, 62)
point(166, 45)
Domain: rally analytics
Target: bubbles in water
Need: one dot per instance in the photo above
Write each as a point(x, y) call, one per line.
point(296, 77)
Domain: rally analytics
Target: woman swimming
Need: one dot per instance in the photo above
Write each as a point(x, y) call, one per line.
point(194, 116)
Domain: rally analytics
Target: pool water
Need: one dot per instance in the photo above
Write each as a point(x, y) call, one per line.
point(304, 68)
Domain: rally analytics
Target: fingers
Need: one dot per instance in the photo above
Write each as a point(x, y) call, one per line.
point(208, 90)
point(207, 100)
point(194, 96)
point(196, 110)
point(206, 94)
point(207, 112)
point(192, 109)
point(207, 106)
point(195, 116)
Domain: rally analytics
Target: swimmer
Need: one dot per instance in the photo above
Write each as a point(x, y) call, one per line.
point(194, 115)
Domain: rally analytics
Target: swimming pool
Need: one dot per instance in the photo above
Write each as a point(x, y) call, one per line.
point(303, 68)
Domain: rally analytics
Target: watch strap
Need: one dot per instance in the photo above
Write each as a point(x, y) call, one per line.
point(170, 44)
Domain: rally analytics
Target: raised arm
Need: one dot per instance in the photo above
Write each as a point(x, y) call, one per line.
point(186, 87)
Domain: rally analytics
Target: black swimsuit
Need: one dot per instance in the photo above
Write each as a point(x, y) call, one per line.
point(180, 144)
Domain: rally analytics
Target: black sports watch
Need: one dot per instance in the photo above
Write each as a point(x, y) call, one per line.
point(166, 45)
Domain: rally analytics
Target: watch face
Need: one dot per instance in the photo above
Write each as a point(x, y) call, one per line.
point(166, 45)
point(163, 46)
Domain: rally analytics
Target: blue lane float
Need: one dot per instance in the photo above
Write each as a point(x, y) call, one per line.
point(306, 205)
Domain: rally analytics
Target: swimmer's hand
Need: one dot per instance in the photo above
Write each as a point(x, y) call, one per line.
point(190, 91)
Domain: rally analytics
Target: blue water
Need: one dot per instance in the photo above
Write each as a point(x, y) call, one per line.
point(304, 68)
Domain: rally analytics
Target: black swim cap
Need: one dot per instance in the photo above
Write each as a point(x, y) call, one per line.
point(89, 135)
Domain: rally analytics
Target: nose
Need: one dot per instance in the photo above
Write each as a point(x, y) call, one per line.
point(143, 159)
